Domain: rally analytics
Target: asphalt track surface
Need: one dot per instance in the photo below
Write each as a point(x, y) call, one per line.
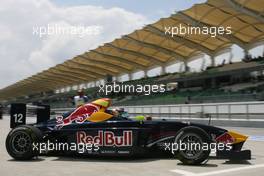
point(52, 166)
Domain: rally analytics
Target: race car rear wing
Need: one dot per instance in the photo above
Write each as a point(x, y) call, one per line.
point(18, 113)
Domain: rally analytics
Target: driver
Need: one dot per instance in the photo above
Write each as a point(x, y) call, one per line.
point(118, 114)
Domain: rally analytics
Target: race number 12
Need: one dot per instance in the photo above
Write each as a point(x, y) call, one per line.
point(18, 118)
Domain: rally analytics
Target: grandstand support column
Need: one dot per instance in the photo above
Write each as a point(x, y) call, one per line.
point(118, 78)
point(246, 52)
point(145, 73)
point(94, 83)
point(186, 68)
point(130, 76)
point(212, 58)
point(1, 111)
point(163, 70)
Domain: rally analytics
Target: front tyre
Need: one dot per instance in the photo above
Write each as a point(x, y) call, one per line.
point(192, 139)
point(19, 142)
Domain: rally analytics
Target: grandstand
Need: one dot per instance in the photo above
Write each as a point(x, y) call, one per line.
point(233, 82)
point(151, 47)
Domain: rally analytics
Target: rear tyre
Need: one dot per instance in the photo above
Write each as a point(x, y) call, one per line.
point(197, 138)
point(19, 142)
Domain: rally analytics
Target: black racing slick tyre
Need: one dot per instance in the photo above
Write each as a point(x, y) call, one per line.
point(19, 142)
point(192, 140)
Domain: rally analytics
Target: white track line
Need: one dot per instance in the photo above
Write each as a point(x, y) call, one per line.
point(217, 172)
point(183, 172)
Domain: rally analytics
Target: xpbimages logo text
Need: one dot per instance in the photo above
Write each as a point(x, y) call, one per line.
point(185, 30)
point(63, 30)
point(195, 146)
point(146, 89)
point(45, 147)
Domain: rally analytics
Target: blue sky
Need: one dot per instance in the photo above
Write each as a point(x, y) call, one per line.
point(152, 9)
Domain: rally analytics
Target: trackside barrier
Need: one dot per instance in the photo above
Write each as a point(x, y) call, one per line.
point(227, 111)
point(234, 110)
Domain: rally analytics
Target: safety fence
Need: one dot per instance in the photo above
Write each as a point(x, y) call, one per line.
point(239, 110)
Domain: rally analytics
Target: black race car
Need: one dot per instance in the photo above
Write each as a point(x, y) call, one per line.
point(92, 129)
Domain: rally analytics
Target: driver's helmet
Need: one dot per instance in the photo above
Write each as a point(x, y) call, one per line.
point(102, 103)
point(121, 112)
point(115, 112)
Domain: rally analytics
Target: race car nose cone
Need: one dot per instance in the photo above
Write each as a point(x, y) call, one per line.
point(237, 137)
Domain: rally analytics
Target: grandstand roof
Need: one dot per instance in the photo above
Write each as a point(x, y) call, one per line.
point(151, 46)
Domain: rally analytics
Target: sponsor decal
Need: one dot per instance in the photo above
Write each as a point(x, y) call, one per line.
point(225, 138)
point(106, 138)
point(78, 116)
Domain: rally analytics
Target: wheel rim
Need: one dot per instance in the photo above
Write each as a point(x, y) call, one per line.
point(21, 142)
point(191, 139)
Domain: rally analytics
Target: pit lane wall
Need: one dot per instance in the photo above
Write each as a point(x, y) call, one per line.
point(241, 114)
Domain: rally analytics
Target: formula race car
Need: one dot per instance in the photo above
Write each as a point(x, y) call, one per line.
point(93, 129)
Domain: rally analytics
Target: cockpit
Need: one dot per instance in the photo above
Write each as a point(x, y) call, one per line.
point(96, 111)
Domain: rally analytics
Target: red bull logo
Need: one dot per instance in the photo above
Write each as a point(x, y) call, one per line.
point(106, 138)
point(78, 116)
